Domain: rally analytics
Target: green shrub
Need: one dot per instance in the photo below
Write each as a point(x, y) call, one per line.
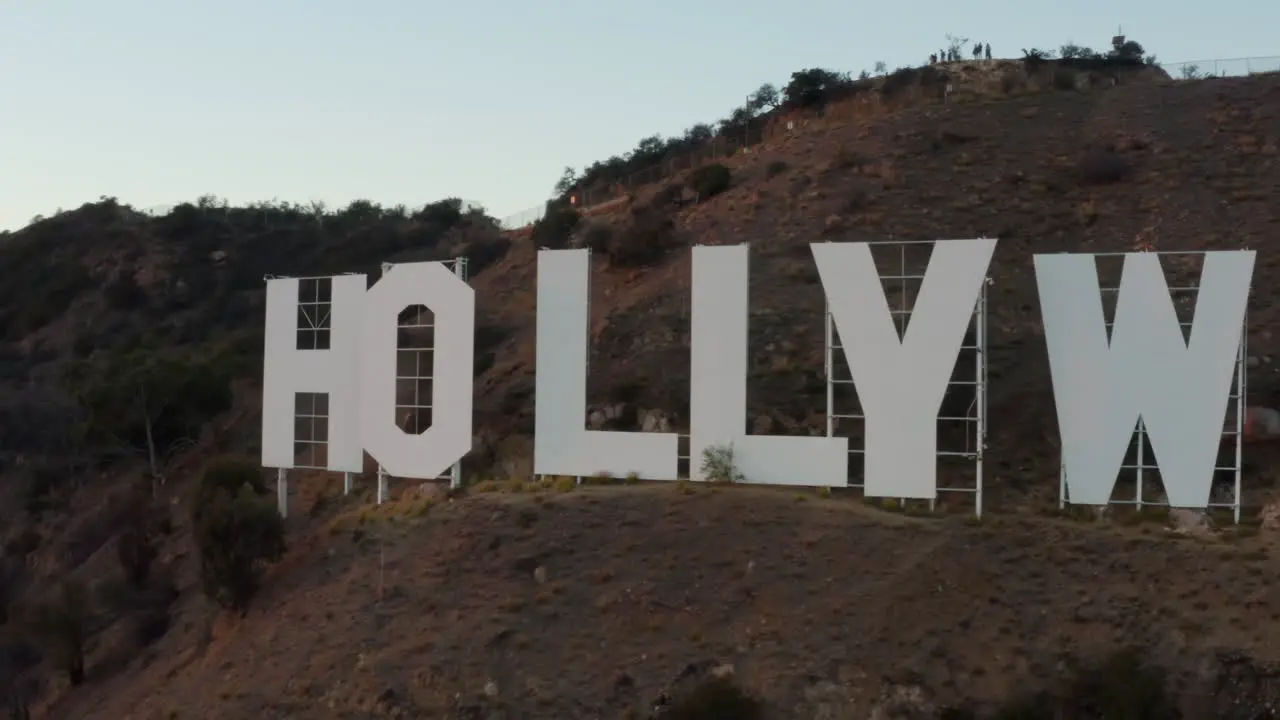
point(715, 699)
point(1103, 167)
point(556, 226)
point(645, 241)
point(719, 465)
point(445, 213)
point(709, 180)
point(237, 530)
point(814, 87)
point(775, 168)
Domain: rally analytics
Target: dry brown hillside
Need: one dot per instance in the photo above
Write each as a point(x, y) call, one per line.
point(824, 607)
point(592, 603)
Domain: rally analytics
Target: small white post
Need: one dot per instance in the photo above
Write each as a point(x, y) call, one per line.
point(282, 491)
point(346, 483)
point(827, 361)
point(459, 269)
point(382, 473)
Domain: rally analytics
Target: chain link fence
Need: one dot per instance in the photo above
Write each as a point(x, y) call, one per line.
point(1220, 67)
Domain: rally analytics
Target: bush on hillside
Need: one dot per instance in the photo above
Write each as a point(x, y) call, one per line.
point(136, 553)
point(1103, 166)
point(645, 240)
point(709, 180)
point(237, 531)
point(124, 293)
point(1119, 686)
point(715, 699)
point(1034, 59)
point(598, 238)
point(62, 623)
point(556, 226)
point(899, 80)
point(445, 213)
point(814, 87)
point(482, 254)
point(1064, 78)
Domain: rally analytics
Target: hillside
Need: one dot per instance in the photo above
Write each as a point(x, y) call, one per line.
point(411, 615)
point(591, 604)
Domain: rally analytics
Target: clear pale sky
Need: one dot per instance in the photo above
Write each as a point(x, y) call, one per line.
point(396, 101)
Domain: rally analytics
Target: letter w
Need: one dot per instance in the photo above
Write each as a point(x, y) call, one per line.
point(1179, 389)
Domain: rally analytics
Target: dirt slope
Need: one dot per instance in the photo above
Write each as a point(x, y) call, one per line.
point(824, 607)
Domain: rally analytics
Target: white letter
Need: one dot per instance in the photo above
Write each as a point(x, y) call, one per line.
point(718, 386)
point(453, 302)
point(1179, 389)
point(561, 444)
point(901, 383)
point(287, 371)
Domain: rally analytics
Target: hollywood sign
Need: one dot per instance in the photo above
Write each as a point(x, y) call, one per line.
point(1102, 385)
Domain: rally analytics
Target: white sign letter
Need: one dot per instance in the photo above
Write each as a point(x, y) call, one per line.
point(718, 386)
point(1179, 389)
point(287, 371)
point(901, 383)
point(561, 443)
point(453, 303)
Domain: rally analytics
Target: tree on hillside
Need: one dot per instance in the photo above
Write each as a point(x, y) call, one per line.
point(649, 150)
point(568, 180)
point(1071, 51)
point(362, 211)
point(699, 133)
point(764, 99)
point(444, 213)
point(149, 403)
point(735, 126)
point(237, 531)
point(1131, 50)
point(811, 87)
